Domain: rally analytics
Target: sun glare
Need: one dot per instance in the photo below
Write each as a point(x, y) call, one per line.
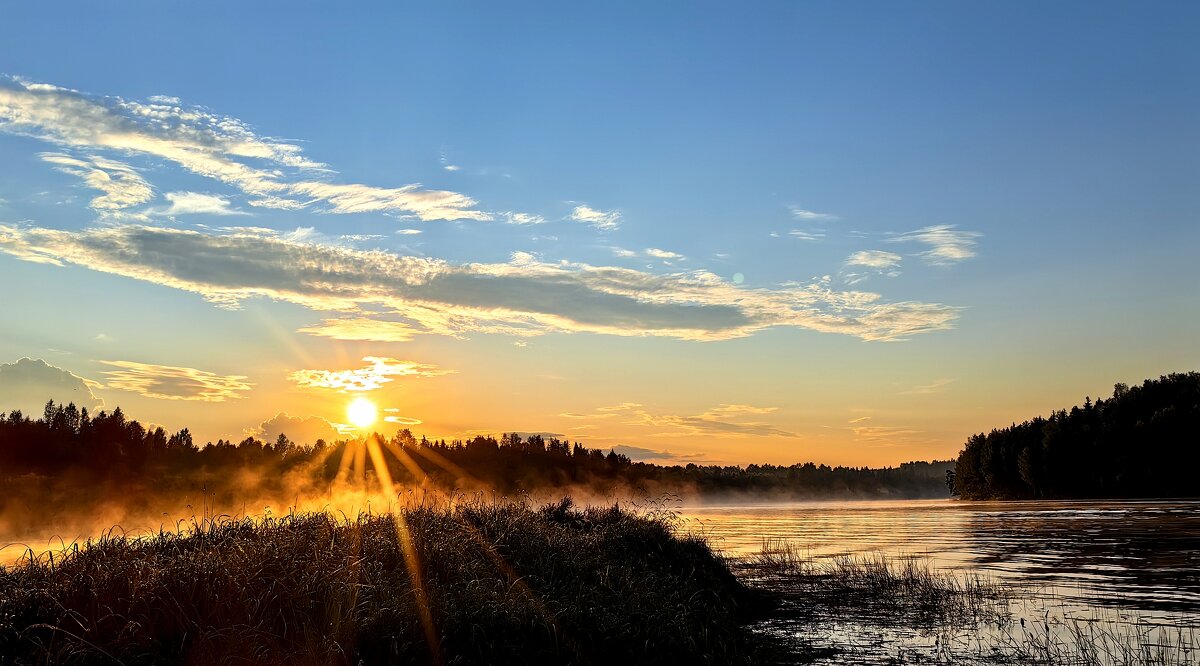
point(361, 412)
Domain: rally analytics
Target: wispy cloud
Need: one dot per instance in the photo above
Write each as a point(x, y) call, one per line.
point(447, 165)
point(525, 297)
point(121, 186)
point(407, 232)
point(662, 254)
point(935, 386)
point(605, 221)
point(380, 371)
point(802, 214)
point(947, 245)
point(393, 416)
point(196, 203)
point(886, 435)
point(361, 328)
point(649, 253)
point(720, 420)
point(522, 218)
point(222, 148)
point(806, 235)
point(874, 259)
point(168, 382)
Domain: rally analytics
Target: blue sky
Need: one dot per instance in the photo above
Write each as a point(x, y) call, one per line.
point(985, 211)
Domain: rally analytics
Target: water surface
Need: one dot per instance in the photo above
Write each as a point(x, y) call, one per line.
point(1140, 556)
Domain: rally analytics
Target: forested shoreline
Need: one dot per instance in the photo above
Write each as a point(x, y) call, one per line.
point(1143, 441)
point(67, 459)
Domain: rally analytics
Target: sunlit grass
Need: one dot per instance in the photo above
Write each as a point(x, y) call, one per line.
point(473, 582)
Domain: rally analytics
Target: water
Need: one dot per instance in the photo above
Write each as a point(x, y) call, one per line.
point(1131, 565)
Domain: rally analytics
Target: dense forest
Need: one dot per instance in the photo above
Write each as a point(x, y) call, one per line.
point(68, 457)
point(1144, 441)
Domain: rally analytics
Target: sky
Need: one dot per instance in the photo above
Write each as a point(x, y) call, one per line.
point(851, 233)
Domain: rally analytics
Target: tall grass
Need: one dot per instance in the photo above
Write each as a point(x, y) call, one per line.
point(478, 582)
point(873, 609)
point(894, 589)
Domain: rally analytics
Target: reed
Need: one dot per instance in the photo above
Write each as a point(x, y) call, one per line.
point(453, 582)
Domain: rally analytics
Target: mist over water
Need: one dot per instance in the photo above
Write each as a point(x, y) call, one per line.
point(1141, 556)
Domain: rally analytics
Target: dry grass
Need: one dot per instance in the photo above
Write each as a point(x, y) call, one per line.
point(871, 609)
point(474, 582)
point(899, 590)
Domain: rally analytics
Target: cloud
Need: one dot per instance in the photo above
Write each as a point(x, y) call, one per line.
point(274, 173)
point(650, 253)
point(877, 259)
point(425, 204)
point(662, 254)
point(575, 415)
point(524, 298)
point(361, 328)
point(621, 407)
point(380, 371)
point(522, 218)
point(936, 386)
point(121, 185)
point(168, 382)
point(27, 385)
point(407, 232)
point(299, 429)
point(726, 419)
point(640, 454)
point(806, 235)
point(886, 435)
point(801, 214)
point(946, 244)
point(195, 203)
point(605, 221)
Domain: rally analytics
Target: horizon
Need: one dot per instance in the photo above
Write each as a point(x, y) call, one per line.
point(800, 233)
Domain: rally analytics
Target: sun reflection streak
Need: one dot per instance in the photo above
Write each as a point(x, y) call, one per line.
point(407, 547)
point(441, 461)
point(375, 449)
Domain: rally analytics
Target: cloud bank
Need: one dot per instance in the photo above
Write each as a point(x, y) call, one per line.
point(299, 429)
point(27, 385)
point(525, 297)
point(380, 371)
point(168, 382)
point(273, 173)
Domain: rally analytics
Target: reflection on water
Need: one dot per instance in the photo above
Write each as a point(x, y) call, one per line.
point(1142, 556)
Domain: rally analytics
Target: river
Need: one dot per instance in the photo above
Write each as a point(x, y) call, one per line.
point(1138, 561)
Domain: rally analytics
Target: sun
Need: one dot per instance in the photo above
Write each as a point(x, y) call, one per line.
point(361, 412)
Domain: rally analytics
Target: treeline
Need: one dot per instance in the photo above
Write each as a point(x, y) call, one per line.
point(1144, 441)
point(512, 464)
point(109, 448)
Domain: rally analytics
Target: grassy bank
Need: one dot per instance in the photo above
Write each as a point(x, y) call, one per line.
point(465, 583)
point(875, 610)
point(509, 582)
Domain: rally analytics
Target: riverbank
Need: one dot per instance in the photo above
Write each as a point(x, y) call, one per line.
point(475, 582)
point(481, 582)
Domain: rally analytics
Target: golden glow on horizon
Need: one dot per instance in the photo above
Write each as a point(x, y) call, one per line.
point(361, 412)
